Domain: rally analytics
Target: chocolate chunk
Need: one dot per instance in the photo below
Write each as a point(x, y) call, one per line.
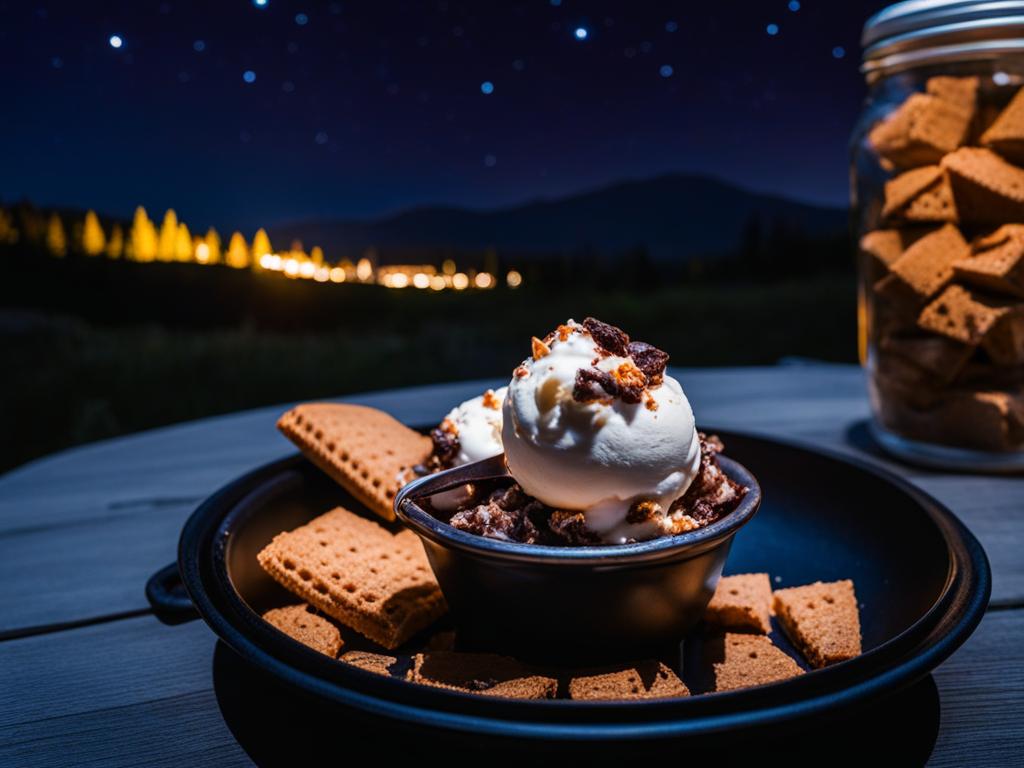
point(446, 445)
point(594, 384)
point(642, 511)
point(571, 528)
point(506, 515)
point(611, 339)
point(649, 359)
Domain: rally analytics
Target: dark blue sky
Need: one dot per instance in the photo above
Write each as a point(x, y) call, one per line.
point(358, 109)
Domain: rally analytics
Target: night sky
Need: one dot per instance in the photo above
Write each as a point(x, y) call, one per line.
point(242, 116)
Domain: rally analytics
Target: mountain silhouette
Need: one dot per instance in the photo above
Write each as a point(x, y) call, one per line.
point(674, 217)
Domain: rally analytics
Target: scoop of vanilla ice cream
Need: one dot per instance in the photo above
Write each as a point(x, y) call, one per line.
point(597, 457)
point(477, 424)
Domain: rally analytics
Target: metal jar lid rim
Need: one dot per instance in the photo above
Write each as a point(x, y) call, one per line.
point(913, 31)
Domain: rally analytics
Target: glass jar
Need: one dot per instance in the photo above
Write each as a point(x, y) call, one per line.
point(937, 184)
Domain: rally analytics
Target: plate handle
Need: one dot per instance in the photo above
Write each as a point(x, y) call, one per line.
point(166, 594)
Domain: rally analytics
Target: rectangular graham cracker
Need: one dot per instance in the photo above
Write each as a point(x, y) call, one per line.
point(641, 680)
point(366, 451)
point(742, 602)
point(821, 619)
point(961, 92)
point(300, 623)
point(483, 673)
point(962, 316)
point(735, 660)
point(1006, 134)
point(991, 421)
point(885, 246)
point(924, 268)
point(941, 358)
point(357, 572)
point(377, 663)
point(920, 195)
point(1005, 342)
point(920, 131)
point(988, 189)
point(996, 262)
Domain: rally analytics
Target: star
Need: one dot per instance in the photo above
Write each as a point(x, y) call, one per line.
point(581, 33)
point(794, 5)
point(301, 19)
point(665, 70)
point(260, 3)
point(671, 26)
point(249, 76)
point(838, 52)
point(772, 29)
point(115, 41)
point(486, 87)
point(199, 46)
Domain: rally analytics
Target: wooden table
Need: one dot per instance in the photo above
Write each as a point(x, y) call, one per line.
point(89, 676)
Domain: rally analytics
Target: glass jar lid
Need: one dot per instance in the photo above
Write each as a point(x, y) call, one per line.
point(919, 32)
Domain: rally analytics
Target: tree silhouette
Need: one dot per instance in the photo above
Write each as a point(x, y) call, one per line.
point(115, 243)
point(8, 232)
point(260, 247)
point(93, 239)
point(142, 240)
point(238, 252)
point(317, 255)
point(56, 241)
point(212, 240)
point(168, 244)
point(183, 244)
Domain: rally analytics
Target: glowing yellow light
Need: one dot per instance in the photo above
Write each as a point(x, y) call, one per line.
point(364, 269)
point(437, 283)
point(337, 275)
point(421, 280)
point(483, 280)
point(274, 262)
point(202, 253)
point(460, 280)
point(322, 274)
point(307, 269)
point(448, 267)
point(291, 267)
point(514, 279)
point(265, 260)
point(399, 280)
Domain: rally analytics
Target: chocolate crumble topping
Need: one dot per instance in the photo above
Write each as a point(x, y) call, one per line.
point(649, 359)
point(611, 339)
point(446, 443)
point(512, 515)
point(594, 384)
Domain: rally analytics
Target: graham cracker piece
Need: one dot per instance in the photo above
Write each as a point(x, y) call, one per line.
point(941, 358)
point(1005, 342)
point(821, 619)
point(743, 601)
point(925, 267)
point(365, 450)
point(962, 316)
point(920, 131)
point(377, 663)
point(300, 623)
point(987, 188)
point(900, 190)
point(997, 261)
point(484, 673)
point(357, 572)
point(991, 421)
point(884, 246)
point(1006, 134)
point(643, 680)
point(961, 92)
point(740, 660)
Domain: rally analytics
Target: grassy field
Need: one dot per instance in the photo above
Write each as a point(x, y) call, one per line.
point(71, 380)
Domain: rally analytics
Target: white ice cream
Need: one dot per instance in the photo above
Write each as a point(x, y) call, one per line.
point(477, 424)
point(597, 457)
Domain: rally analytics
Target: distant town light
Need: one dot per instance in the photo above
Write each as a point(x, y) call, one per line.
point(364, 269)
point(291, 267)
point(437, 283)
point(448, 266)
point(421, 280)
point(513, 279)
point(483, 280)
point(322, 274)
point(307, 269)
point(115, 41)
point(337, 275)
point(460, 281)
point(202, 253)
point(399, 280)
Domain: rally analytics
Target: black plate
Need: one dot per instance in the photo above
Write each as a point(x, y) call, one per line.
point(922, 579)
